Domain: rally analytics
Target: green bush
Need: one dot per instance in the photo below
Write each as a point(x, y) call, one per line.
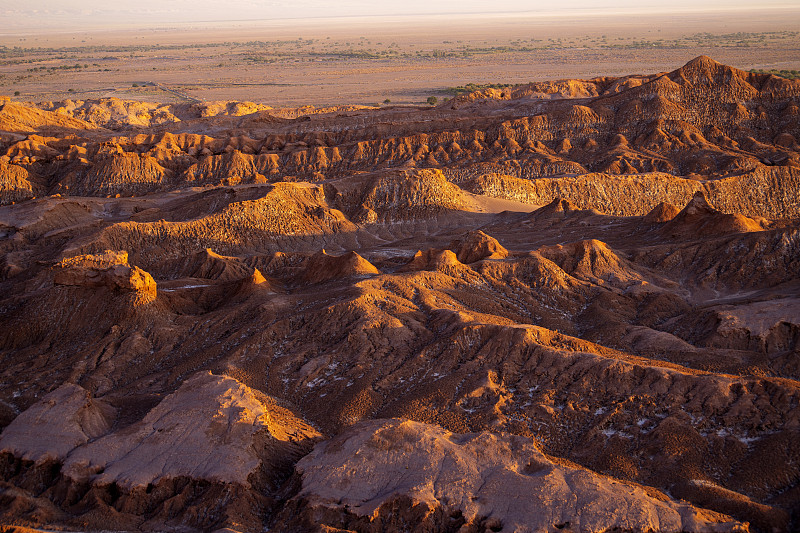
point(432, 100)
point(785, 73)
point(472, 87)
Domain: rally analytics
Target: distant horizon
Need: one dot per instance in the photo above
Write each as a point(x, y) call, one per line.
point(80, 15)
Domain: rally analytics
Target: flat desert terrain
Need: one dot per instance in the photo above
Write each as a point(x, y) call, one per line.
point(371, 60)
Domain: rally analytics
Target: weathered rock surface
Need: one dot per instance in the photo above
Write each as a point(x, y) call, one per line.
point(606, 268)
point(637, 141)
point(110, 269)
point(600, 348)
point(661, 213)
point(212, 428)
point(477, 245)
point(214, 453)
point(16, 117)
point(16, 184)
point(63, 420)
point(392, 472)
point(700, 218)
point(323, 267)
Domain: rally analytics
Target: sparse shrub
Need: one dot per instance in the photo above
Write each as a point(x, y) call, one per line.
point(16, 93)
point(788, 74)
point(432, 100)
point(135, 85)
point(472, 87)
point(387, 101)
point(70, 90)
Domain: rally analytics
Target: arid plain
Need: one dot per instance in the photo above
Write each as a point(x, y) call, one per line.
point(251, 280)
point(365, 62)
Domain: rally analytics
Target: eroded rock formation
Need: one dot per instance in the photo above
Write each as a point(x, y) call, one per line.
point(415, 476)
point(587, 289)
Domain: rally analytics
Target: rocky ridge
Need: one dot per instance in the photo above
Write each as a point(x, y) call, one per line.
point(480, 481)
point(212, 439)
point(662, 127)
point(598, 297)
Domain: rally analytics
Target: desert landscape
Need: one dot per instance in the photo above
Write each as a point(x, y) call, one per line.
point(366, 61)
point(567, 302)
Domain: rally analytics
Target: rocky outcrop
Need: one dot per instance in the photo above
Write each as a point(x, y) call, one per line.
point(397, 196)
point(191, 461)
point(617, 195)
point(210, 265)
point(435, 260)
point(652, 138)
point(477, 245)
point(121, 173)
point(16, 184)
point(279, 211)
point(700, 218)
point(323, 267)
point(661, 213)
point(110, 269)
point(383, 473)
point(762, 193)
point(21, 118)
point(212, 428)
point(62, 421)
point(595, 262)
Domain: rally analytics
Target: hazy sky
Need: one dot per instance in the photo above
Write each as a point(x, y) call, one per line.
point(55, 13)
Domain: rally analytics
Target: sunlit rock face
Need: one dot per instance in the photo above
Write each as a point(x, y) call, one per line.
point(212, 438)
point(396, 471)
